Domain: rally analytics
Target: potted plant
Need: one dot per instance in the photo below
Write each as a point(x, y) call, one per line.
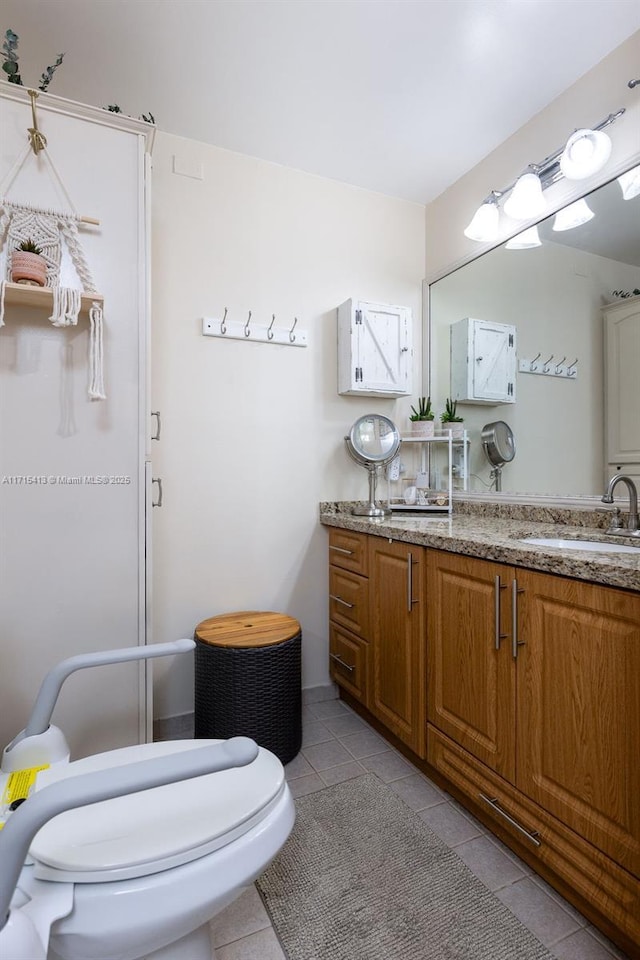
point(450, 419)
point(422, 418)
point(27, 265)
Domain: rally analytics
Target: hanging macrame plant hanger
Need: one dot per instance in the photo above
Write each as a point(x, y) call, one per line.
point(48, 229)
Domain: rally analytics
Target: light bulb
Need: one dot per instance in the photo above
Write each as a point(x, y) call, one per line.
point(586, 152)
point(525, 240)
point(484, 225)
point(573, 216)
point(526, 200)
point(630, 183)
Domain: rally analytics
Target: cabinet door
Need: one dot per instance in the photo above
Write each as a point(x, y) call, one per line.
point(374, 349)
point(348, 550)
point(397, 696)
point(349, 601)
point(579, 709)
point(348, 667)
point(471, 672)
point(622, 395)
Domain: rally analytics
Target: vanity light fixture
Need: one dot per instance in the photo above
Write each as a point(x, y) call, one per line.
point(525, 240)
point(585, 152)
point(526, 200)
point(630, 183)
point(573, 216)
point(486, 219)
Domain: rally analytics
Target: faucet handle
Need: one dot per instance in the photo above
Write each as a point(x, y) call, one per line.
point(616, 518)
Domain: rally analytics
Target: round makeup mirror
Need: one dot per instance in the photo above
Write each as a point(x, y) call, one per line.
point(499, 446)
point(373, 442)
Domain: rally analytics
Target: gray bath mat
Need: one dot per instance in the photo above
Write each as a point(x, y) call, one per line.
point(362, 877)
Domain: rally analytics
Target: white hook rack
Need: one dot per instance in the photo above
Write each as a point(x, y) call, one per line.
point(551, 367)
point(258, 333)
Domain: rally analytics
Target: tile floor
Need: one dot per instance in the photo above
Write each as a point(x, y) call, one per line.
point(338, 745)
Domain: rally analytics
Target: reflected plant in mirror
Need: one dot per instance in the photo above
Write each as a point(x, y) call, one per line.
point(578, 347)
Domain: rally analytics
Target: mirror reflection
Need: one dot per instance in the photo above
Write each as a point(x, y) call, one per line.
point(556, 294)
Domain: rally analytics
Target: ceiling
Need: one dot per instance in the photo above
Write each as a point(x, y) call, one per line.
point(397, 96)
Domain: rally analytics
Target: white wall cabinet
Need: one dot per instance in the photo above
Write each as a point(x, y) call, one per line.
point(622, 391)
point(483, 361)
point(73, 574)
point(375, 349)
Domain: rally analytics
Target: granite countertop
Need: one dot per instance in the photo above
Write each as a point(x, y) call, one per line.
point(497, 538)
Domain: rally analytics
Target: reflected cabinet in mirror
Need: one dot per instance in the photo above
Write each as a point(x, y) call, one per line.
point(576, 415)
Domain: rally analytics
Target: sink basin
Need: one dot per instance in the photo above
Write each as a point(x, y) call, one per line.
point(594, 546)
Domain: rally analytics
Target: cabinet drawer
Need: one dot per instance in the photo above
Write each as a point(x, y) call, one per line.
point(349, 551)
point(348, 659)
point(349, 601)
point(611, 890)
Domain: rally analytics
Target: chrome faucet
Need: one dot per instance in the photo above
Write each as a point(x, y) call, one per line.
point(633, 527)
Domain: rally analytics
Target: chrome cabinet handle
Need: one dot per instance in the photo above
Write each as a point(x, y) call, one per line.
point(158, 502)
point(341, 550)
point(333, 596)
point(156, 414)
point(498, 587)
point(531, 835)
point(515, 643)
point(334, 656)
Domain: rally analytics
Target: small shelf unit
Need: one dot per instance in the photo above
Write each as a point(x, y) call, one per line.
point(26, 295)
point(434, 492)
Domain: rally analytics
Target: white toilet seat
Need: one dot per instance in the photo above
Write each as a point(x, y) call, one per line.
point(133, 836)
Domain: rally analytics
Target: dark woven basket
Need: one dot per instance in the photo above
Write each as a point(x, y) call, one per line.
point(252, 692)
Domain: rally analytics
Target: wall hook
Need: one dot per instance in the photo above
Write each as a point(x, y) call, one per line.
point(545, 365)
point(37, 140)
point(292, 336)
point(223, 326)
point(247, 331)
point(532, 365)
point(270, 331)
point(559, 364)
point(571, 372)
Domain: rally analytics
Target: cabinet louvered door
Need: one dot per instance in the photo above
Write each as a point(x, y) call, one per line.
point(471, 672)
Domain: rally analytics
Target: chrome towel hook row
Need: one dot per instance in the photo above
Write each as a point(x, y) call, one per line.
point(258, 333)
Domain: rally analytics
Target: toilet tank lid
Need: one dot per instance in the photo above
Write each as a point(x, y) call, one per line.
point(147, 832)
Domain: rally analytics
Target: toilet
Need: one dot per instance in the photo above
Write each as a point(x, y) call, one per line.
point(140, 875)
point(143, 874)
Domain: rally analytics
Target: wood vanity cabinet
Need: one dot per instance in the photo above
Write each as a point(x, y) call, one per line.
point(349, 612)
point(376, 629)
point(398, 669)
point(534, 713)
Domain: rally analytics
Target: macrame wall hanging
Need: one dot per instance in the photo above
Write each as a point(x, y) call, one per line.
point(49, 229)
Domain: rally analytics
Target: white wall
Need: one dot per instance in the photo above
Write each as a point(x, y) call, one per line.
point(252, 434)
point(603, 90)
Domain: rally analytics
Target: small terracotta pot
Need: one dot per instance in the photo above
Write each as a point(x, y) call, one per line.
point(29, 268)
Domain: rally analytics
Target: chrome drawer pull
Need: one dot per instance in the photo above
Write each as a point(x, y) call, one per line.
point(515, 643)
point(341, 550)
point(334, 656)
point(530, 835)
point(332, 596)
point(498, 587)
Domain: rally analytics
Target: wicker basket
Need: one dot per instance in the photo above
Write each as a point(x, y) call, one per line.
point(248, 680)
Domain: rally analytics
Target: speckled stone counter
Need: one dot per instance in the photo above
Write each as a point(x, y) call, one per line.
point(495, 535)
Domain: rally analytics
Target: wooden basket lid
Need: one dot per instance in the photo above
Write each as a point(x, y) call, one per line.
point(247, 628)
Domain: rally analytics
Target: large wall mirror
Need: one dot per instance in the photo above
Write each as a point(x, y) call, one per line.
point(554, 294)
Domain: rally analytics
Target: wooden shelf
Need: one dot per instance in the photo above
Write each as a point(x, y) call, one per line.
point(24, 295)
